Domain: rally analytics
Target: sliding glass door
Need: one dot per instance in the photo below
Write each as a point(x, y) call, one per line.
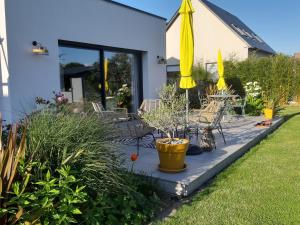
point(108, 76)
point(120, 72)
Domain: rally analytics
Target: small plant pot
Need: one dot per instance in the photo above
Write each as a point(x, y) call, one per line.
point(269, 113)
point(172, 156)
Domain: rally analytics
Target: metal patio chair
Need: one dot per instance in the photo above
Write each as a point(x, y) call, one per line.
point(117, 114)
point(135, 129)
point(211, 117)
point(148, 105)
point(241, 103)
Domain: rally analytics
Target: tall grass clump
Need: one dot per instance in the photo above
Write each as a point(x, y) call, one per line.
point(83, 142)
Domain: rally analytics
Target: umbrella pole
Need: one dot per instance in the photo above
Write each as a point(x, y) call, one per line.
point(187, 106)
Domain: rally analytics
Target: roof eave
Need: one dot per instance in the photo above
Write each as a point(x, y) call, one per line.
point(173, 19)
point(135, 9)
point(263, 50)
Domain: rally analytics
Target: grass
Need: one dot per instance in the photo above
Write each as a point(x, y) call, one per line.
point(263, 187)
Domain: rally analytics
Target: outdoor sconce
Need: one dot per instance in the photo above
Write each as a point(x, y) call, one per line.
point(1, 40)
point(161, 60)
point(39, 49)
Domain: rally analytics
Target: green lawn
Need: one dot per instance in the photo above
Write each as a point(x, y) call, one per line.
point(263, 187)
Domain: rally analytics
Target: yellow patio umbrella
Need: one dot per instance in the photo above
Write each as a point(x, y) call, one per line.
point(186, 48)
point(221, 83)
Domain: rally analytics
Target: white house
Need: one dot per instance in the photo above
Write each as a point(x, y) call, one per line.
point(94, 48)
point(214, 29)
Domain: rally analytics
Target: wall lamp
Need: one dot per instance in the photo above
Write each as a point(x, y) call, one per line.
point(161, 60)
point(39, 49)
point(1, 40)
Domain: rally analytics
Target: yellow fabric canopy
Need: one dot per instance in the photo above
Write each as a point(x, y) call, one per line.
point(186, 45)
point(106, 62)
point(221, 83)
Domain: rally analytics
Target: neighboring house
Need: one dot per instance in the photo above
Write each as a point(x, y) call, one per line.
point(81, 36)
point(214, 29)
point(297, 55)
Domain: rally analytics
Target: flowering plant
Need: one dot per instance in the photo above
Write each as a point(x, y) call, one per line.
point(253, 89)
point(60, 99)
point(124, 96)
point(255, 103)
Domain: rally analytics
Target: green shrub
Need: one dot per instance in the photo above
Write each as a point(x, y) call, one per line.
point(51, 199)
point(134, 207)
point(200, 74)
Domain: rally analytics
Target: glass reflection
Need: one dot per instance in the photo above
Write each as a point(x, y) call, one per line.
point(120, 72)
point(80, 74)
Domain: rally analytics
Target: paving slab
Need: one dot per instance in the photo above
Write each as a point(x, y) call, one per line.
point(241, 134)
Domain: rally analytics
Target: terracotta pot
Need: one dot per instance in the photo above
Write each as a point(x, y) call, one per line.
point(171, 156)
point(269, 113)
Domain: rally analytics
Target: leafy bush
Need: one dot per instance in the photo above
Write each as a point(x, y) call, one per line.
point(200, 74)
point(132, 207)
point(50, 199)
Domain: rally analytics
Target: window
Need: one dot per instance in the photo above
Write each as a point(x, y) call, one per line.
point(121, 76)
point(212, 69)
point(108, 76)
point(80, 74)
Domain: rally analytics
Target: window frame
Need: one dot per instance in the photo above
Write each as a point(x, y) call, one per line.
point(101, 49)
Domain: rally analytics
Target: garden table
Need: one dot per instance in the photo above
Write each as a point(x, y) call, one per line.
point(223, 97)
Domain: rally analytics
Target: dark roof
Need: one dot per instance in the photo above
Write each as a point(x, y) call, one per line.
point(236, 25)
point(135, 9)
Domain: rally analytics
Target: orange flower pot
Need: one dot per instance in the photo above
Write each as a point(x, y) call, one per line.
point(269, 113)
point(171, 156)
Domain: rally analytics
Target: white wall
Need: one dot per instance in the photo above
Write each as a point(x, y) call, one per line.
point(210, 34)
point(88, 21)
point(4, 71)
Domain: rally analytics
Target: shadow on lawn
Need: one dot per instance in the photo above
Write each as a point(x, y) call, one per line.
point(290, 116)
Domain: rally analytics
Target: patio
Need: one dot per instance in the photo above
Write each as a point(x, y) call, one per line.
point(241, 134)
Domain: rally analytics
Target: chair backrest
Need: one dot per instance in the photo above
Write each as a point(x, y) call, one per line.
point(149, 105)
point(245, 100)
point(218, 117)
point(213, 106)
point(98, 107)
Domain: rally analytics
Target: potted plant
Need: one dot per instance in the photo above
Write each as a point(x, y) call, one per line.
point(269, 110)
point(167, 118)
point(271, 100)
point(124, 97)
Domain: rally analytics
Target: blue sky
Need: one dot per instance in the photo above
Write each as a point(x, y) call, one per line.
point(276, 21)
